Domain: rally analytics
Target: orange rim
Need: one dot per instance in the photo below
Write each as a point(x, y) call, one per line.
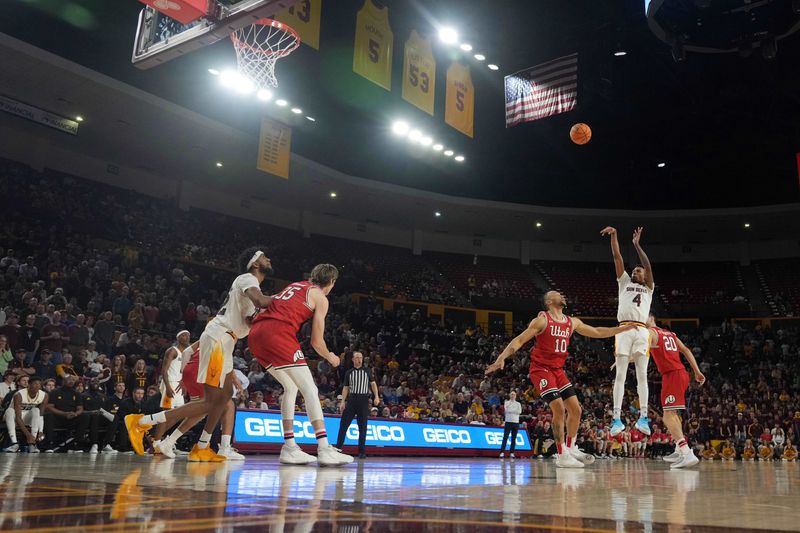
point(275, 24)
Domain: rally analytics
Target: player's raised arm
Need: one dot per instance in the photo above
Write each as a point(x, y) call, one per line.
point(598, 333)
point(619, 264)
point(648, 269)
point(320, 302)
point(687, 353)
point(536, 326)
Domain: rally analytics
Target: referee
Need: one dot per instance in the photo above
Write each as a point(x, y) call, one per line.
point(358, 381)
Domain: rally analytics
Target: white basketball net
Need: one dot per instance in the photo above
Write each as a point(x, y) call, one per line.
point(258, 48)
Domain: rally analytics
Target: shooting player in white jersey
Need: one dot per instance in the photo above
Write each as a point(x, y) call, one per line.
point(635, 297)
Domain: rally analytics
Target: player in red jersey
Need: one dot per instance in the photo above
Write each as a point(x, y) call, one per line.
point(553, 330)
point(273, 342)
point(666, 349)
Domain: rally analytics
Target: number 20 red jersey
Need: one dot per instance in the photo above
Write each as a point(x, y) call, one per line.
point(666, 355)
point(552, 344)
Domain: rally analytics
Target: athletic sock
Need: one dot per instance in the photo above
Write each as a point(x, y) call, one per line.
point(157, 445)
point(683, 447)
point(205, 439)
point(322, 438)
point(288, 438)
point(617, 413)
point(559, 447)
point(569, 442)
point(225, 441)
point(151, 420)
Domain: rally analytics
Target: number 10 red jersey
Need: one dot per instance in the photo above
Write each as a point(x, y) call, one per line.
point(552, 344)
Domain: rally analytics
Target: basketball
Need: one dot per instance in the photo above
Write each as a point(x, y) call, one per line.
point(580, 133)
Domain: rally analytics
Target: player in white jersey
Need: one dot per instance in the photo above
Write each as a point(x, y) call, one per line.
point(635, 297)
point(26, 410)
point(170, 387)
point(215, 370)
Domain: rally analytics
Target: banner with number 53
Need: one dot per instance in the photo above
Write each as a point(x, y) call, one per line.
point(460, 99)
point(419, 73)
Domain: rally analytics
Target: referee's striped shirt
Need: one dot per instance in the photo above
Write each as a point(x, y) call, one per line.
point(358, 380)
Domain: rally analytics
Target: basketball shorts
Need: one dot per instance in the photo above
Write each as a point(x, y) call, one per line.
point(175, 401)
point(216, 359)
point(275, 345)
point(632, 342)
point(551, 383)
point(673, 390)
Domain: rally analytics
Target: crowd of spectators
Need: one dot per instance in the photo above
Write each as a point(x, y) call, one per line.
point(96, 281)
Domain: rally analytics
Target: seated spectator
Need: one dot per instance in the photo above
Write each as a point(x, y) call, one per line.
point(789, 452)
point(66, 368)
point(6, 356)
point(65, 411)
point(9, 384)
point(18, 365)
point(45, 368)
point(748, 452)
point(24, 412)
point(140, 376)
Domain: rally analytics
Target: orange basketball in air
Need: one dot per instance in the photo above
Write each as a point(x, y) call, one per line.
point(580, 133)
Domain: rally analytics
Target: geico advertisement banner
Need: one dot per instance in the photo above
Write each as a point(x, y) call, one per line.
point(265, 428)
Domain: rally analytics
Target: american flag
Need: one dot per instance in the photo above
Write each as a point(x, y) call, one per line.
point(542, 91)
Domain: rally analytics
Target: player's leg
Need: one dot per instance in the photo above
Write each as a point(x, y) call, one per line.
point(574, 410)
point(565, 458)
point(623, 349)
point(673, 393)
point(228, 420)
point(641, 351)
point(302, 378)
point(11, 425)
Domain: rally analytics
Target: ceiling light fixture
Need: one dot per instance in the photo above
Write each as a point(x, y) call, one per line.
point(492, 66)
point(480, 57)
point(448, 35)
point(281, 102)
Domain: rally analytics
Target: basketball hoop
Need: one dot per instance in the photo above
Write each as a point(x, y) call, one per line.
point(259, 46)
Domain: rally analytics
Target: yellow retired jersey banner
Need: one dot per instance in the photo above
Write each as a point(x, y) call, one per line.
point(459, 108)
point(304, 16)
point(274, 146)
point(372, 57)
point(419, 73)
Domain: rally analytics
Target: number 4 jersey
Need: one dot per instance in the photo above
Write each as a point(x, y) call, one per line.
point(552, 344)
point(273, 337)
point(634, 300)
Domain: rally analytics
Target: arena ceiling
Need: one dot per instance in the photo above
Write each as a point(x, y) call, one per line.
point(726, 127)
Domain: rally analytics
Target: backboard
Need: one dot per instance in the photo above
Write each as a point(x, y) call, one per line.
point(160, 38)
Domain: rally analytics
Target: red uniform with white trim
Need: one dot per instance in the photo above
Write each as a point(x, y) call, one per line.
point(189, 378)
point(675, 379)
point(273, 335)
point(549, 355)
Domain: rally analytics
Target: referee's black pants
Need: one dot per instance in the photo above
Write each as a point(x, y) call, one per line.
point(357, 406)
point(510, 427)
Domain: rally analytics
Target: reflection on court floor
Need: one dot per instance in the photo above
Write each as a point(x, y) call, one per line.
point(127, 493)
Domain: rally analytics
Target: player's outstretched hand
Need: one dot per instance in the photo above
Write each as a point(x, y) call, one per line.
point(494, 367)
point(699, 377)
point(333, 359)
point(608, 230)
point(637, 234)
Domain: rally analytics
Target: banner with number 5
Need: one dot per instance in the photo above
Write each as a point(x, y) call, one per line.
point(460, 99)
point(372, 53)
point(419, 73)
